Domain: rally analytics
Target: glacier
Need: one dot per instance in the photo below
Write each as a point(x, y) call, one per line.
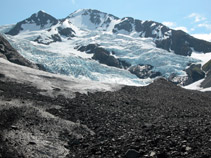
point(64, 58)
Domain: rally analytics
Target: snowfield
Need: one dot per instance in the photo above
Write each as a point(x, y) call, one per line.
point(64, 58)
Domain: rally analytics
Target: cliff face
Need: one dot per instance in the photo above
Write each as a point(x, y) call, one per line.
point(9, 53)
point(182, 43)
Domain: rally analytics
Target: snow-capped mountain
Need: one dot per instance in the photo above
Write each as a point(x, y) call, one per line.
point(99, 46)
point(87, 19)
point(37, 21)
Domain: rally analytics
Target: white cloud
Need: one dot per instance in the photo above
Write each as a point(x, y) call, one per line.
point(207, 26)
point(174, 26)
point(169, 24)
point(206, 37)
point(203, 36)
point(182, 28)
point(197, 17)
point(192, 29)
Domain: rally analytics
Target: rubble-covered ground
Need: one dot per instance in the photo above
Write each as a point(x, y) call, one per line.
point(160, 120)
point(49, 115)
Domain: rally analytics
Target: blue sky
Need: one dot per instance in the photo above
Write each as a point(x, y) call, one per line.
point(192, 16)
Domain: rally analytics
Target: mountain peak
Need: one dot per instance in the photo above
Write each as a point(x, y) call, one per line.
point(91, 19)
point(41, 11)
point(37, 21)
point(42, 18)
point(89, 11)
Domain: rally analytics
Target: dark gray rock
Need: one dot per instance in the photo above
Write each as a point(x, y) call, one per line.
point(131, 153)
point(67, 32)
point(126, 25)
point(14, 127)
point(103, 56)
point(96, 17)
point(56, 38)
point(32, 143)
point(181, 43)
point(171, 40)
point(194, 73)
point(144, 71)
point(88, 49)
point(178, 80)
point(9, 53)
point(2, 75)
point(207, 67)
point(40, 19)
point(53, 38)
point(151, 27)
point(162, 155)
point(207, 81)
point(180, 117)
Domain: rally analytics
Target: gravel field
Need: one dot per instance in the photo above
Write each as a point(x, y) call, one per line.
point(160, 120)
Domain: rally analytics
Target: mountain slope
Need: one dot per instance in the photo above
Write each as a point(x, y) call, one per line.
point(37, 21)
point(9, 53)
point(99, 46)
point(183, 44)
point(52, 115)
point(38, 113)
point(171, 40)
point(92, 19)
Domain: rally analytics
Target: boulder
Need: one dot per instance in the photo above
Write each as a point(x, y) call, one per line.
point(194, 73)
point(144, 71)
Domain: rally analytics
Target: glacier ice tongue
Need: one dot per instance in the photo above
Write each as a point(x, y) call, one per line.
point(62, 58)
point(96, 28)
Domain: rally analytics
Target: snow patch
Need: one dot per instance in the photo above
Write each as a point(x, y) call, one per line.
point(196, 86)
point(30, 27)
point(204, 57)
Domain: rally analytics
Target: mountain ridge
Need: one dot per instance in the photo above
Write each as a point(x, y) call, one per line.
point(40, 18)
point(163, 36)
point(9, 53)
point(52, 115)
point(146, 49)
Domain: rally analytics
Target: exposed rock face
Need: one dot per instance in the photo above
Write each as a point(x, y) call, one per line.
point(194, 73)
point(40, 19)
point(181, 43)
point(144, 71)
point(9, 53)
point(164, 37)
point(178, 80)
point(95, 17)
point(171, 40)
point(103, 56)
point(207, 67)
point(207, 81)
point(67, 32)
point(49, 40)
point(126, 24)
point(92, 20)
point(161, 120)
point(88, 49)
